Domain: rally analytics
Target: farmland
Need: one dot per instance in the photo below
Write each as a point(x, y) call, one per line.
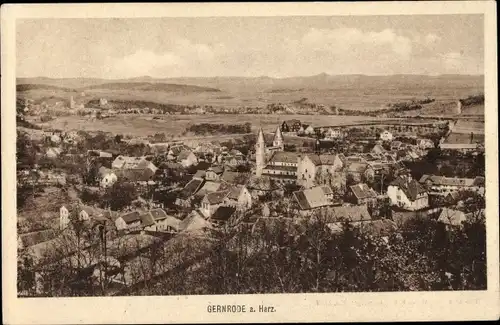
point(175, 125)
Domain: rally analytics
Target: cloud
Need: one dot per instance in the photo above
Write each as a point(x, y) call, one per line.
point(458, 62)
point(345, 40)
point(181, 55)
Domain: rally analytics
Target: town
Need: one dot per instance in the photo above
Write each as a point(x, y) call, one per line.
point(304, 208)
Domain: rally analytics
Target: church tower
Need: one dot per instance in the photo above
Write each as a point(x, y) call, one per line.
point(278, 139)
point(260, 153)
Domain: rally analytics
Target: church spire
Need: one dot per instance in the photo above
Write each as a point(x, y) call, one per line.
point(260, 153)
point(278, 139)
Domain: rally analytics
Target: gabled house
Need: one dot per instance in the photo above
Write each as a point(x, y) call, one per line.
point(362, 194)
point(310, 164)
point(130, 220)
point(313, 198)
point(187, 158)
point(406, 193)
point(163, 222)
point(222, 215)
point(214, 173)
point(212, 201)
point(291, 125)
point(359, 171)
point(335, 216)
point(194, 222)
point(186, 194)
point(239, 197)
point(309, 130)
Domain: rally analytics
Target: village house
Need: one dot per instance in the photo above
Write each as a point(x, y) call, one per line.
point(362, 194)
point(239, 197)
point(291, 126)
point(107, 177)
point(26, 240)
point(153, 220)
point(406, 193)
point(235, 178)
point(313, 198)
point(175, 150)
point(99, 154)
point(445, 185)
point(334, 133)
point(163, 222)
point(378, 150)
point(124, 162)
point(310, 164)
point(222, 215)
point(309, 130)
point(140, 176)
point(452, 218)
point(186, 194)
point(360, 171)
point(194, 222)
point(386, 136)
point(187, 158)
point(335, 216)
point(211, 202)
point(214, 173)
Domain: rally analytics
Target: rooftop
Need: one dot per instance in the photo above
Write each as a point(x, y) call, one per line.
point(410, 187)
point(312, 198)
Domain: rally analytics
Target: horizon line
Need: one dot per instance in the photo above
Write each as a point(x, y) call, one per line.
point(263, 76)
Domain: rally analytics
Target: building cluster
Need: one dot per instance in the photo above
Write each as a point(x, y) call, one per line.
point(336, 187)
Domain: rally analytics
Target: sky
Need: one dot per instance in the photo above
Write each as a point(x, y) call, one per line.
point(250, 46)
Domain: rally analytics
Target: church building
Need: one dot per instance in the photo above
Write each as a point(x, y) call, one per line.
point(273, 161)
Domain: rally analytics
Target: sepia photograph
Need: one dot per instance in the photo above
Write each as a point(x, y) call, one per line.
point(251, 154)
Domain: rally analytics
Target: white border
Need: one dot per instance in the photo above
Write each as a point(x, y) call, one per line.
point(404, 306)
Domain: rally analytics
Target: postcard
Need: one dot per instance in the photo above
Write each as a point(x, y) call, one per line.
point(249, 162)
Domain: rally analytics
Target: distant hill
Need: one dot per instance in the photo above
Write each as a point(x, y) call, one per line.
point(148, 86)
point(27, 87)
point(320, 81)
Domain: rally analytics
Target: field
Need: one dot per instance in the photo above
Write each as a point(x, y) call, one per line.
point(174, 125)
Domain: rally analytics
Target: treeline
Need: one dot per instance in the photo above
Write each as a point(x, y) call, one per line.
point(281, 256)
point(26, 87)
point(209, 128)
point(277, 257)
point(473, 100)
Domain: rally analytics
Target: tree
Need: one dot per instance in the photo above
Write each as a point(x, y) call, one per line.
point(119, 195)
